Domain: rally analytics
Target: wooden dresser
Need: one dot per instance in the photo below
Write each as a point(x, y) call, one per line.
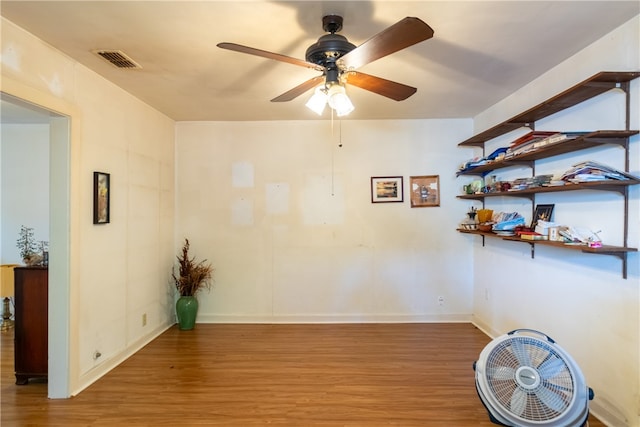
point(31, 324)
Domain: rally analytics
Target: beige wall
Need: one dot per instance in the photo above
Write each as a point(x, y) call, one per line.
point(285, 214)
point(580, 300)
point(286, 219)
point(118, 271)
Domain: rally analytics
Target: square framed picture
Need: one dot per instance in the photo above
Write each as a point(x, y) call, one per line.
point(386, 189)
point(101, 197)
point(425, 191)
point(542, 213)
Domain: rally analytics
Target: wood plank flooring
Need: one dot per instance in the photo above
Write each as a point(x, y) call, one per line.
point(363, 375)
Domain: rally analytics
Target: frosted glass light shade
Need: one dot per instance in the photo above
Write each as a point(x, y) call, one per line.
point(339, 101)
point(317, 101)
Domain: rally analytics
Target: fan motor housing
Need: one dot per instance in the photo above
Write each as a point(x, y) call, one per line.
point(328, 49)
point(331, 46)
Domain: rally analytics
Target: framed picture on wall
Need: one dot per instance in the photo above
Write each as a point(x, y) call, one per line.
point(101, 197)
point(386, 189)
point(425, 191)
point(542, 213)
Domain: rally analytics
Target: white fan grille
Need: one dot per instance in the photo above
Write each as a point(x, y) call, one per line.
point(530, 379)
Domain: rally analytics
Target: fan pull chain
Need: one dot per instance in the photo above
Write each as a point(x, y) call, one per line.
point(332, 157)
point(333, 150)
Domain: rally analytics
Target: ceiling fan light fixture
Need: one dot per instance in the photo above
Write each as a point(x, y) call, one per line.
point(318, 100)
point(338, 100)
point(337, 58)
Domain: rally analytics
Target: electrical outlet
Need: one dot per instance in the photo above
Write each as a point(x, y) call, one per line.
point(144, 319)
point(440, 300)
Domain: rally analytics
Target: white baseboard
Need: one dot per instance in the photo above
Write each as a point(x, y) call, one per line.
point(337, 318)
point(609, 417)
point(99, 371)
point(485, 328)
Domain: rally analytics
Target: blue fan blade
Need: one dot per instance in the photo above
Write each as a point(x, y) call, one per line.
point(551, 368)
point(550, 398)
point(518, 401)
point(520, 352)
point(502, 373)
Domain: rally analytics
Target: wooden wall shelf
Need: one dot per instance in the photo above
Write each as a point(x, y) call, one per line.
point(594, 86)
point(608, 185)
point(592, 139)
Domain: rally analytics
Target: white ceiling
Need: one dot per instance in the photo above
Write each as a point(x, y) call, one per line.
point(481, 51)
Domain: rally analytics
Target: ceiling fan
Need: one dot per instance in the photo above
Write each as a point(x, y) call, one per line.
point(338, 59)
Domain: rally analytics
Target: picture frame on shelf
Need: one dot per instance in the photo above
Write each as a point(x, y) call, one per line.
point(387, 189)
point(541, 213)
point(101, 197)
point(425, 191)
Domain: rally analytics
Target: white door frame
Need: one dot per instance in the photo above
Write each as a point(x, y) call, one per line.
point(59, 322)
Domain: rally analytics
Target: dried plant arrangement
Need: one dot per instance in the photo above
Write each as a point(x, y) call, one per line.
point(192, 276)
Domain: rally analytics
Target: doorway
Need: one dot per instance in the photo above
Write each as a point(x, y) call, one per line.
point(17, 111)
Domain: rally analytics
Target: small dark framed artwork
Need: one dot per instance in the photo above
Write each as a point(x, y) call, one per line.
point(386, 189)
point(425, 191)
point(542, 213)
point(101, 197)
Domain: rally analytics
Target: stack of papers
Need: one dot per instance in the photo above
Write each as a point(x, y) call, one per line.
point(507, 221)
point(590, 171)
point(538, 139)
point(531, 141)
point(531, 182)
point(479, 161)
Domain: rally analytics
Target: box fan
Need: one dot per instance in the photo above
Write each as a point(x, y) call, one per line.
point(525, 379)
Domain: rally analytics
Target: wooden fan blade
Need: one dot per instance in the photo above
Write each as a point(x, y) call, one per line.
point(299, 90)
point(393, 90)
point(269, 55)
point(400, 35)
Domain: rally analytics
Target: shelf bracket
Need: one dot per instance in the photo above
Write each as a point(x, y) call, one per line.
point(621, 255)
point(533, 250)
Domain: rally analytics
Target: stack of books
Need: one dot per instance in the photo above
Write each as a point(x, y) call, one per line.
point(532, 235)
point(538, 139)
point(528, 142)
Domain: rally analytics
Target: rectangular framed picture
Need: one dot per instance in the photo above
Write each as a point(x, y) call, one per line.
point(425, 191)
point(386, 189)
point(101, 197)
point(542, 213)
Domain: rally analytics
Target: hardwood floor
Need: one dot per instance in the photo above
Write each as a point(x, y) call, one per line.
point(364, 375)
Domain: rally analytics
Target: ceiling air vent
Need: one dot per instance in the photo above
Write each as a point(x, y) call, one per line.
point(117, 58)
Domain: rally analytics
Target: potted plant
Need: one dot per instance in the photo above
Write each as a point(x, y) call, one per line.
point(192, 277)
point(28, 247)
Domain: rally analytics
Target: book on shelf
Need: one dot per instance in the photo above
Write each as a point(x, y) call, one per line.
point(530, 136)
point(576, 134)
point(528, 142)
point(552, 139)
point(533, 236)
point(538, 139)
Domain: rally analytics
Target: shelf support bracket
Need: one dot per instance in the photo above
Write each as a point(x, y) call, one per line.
point(533, 250)
point(621, 255)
